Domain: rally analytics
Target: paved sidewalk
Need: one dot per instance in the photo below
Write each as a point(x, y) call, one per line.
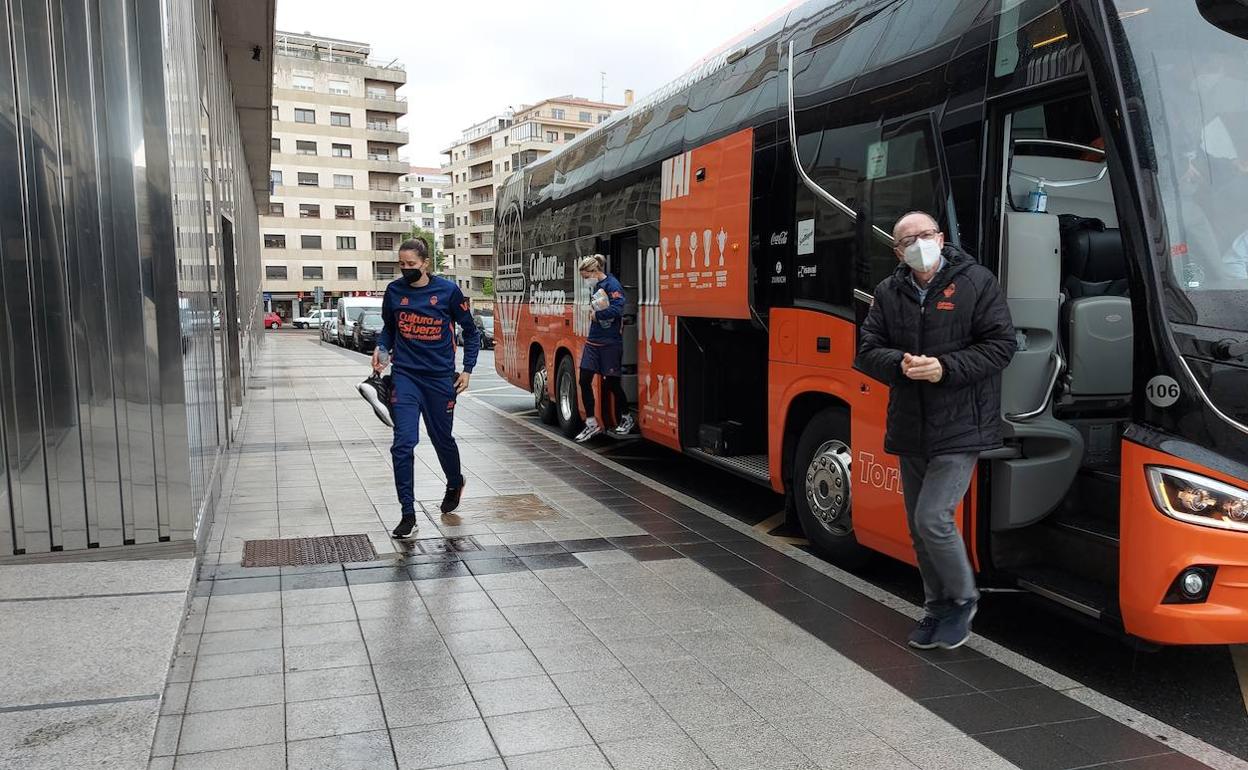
point(569, 617)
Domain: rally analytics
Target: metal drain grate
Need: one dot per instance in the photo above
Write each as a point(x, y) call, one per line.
point(296, 551)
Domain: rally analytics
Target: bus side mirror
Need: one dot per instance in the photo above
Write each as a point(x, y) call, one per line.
point(1227, 15)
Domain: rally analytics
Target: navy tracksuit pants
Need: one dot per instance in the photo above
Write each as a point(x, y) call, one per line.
point(432, 396)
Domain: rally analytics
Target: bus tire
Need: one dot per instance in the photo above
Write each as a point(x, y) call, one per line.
point(539, 386)
point(568, 412)
point(822, 491)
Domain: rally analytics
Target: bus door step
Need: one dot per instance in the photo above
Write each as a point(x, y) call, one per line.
point(753, 467)
point(1087, 597)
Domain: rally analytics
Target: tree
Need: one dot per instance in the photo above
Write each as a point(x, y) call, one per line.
point(487, 287)
point(439, 259)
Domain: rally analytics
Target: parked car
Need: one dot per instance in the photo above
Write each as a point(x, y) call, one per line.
point(485, 325)
point(366, 331)
point(272, 321)
point(311, 319)
point(348, 312)
point(329, 331)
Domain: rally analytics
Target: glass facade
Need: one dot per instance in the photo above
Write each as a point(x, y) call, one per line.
point(130, 271)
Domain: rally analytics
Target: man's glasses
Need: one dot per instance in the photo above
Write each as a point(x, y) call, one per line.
point(905, 243)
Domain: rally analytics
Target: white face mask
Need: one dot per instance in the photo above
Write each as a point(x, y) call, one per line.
point(923, 255)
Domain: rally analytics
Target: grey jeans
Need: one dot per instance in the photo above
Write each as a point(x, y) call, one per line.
point(932, 488)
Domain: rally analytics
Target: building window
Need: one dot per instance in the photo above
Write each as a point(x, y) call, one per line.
point(309, 211)
point(383, 215)
point(274, 241)
point(309, 179)
point(301, 82)
point(426, 192)
point(586, 117)
point(342, 150)
point(376, 92)
point(568, 136)
point(275, 113)
point(506, 165)
point(602, 117)
point(309, 241)
point(305, 148)
point(305, 116)
point(340, 119)
point(426, 208)
point(346, 243)
point(275, 272)
point(340, 87)
point(313, 272)
point(275, 144)
point(344, 212)
point(276, 178)
point(277, 209)
point(385, 242)
point(427, 224)
point(347, 273)
point(557, 114)
point(344, 181)
point(552, 136)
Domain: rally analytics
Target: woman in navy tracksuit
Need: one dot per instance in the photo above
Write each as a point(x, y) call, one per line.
point(419, 312)
point(604, 348)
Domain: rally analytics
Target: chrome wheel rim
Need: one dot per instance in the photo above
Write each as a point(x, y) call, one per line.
point(541, 399)
point(828, 493)
point(566, 405)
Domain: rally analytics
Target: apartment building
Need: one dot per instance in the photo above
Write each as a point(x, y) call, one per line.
point(428, 196)
point(335, 216)
point(481, 160)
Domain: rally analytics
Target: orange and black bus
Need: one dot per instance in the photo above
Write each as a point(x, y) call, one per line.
point(1092, 153)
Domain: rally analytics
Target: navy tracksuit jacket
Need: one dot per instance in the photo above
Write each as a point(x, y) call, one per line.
point(419, 333)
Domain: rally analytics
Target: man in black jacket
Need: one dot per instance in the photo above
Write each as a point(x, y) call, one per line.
point(938, 334)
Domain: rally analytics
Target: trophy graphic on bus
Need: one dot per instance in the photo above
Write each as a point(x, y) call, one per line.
point(665, 245)
point(693, 249)
point(678, 252)
point(706, 247)
point(723, 241)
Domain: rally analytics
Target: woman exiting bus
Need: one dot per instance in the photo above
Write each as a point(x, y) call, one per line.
point(604, 348)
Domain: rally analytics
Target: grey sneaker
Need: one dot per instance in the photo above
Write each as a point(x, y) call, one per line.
point(589, 431)
point(955, 628)
point(626, 426)
point(921, 636)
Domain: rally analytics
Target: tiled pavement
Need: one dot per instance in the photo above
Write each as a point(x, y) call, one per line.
point(596, 623)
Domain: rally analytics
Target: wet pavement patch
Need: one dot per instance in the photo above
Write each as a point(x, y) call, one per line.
point(290, 552)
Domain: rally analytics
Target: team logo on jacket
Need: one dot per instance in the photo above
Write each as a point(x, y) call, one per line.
point(949, 290)
point(403, 301)
point(433, 300)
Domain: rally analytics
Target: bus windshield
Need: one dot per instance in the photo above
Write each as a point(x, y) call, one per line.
point(1194, 86)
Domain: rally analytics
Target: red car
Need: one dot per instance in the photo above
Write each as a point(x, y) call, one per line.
point(272, 321)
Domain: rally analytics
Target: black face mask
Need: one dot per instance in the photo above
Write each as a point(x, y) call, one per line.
point(411, 275)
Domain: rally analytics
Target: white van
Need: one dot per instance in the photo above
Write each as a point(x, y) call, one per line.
point(349, 311)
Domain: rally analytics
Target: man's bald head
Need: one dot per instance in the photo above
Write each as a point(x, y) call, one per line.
point(914, 222)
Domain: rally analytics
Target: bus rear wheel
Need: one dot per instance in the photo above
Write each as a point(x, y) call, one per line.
point(822, 492)
point(541, 393)
point(568, 412)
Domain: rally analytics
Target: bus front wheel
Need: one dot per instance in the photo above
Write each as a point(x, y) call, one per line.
point(567, 410)
point(822, 491)
point(542, 402)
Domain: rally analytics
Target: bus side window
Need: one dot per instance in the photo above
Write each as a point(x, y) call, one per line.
point(827, 241)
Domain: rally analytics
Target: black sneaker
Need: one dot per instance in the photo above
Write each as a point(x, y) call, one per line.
point(921, 637)
point(955, 628)
point(406, 525)
point(376, 391)
point(451, 501)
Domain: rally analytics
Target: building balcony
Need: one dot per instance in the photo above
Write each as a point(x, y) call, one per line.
point(391, 135)
point(482, 205)
point(484, 227)
point(396, 104)
point(481, 251)
point(387, 164)
point(379, 195)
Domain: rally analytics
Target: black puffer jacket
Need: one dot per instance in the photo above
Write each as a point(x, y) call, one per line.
point(965, 323)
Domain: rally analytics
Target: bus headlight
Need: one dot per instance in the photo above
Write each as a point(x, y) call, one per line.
point(1198, 499)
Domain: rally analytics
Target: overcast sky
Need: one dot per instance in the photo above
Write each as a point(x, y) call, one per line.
point(470, 59)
